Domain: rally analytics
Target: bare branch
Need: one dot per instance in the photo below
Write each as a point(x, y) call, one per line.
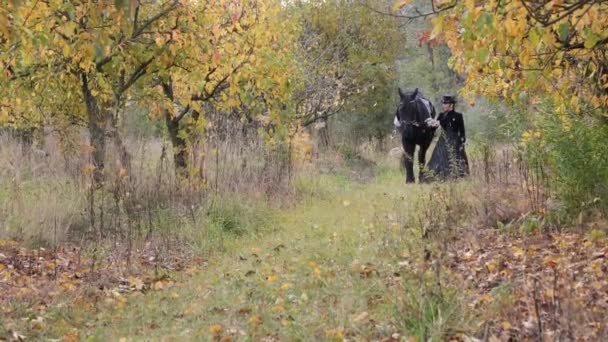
point(418, 15)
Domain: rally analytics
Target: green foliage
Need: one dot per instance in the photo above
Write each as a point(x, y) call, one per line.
point(576, 158)
point(596, 236)
point(347, 55)
point(348, 152)
point(221, 225)
point(238, 217)
point(430, 315)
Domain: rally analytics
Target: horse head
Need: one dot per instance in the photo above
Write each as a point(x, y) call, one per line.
point(414, 109)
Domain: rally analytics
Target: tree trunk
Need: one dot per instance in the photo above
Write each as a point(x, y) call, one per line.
point(97, 125)
point(180, 152)
point(123, 154)
point(324, 134)
point(179, 143)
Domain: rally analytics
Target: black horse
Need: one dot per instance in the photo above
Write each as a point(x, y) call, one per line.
point(412, 117)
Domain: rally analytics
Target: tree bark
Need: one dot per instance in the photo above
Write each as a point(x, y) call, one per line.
point(180, 150)
point(123, 153)
point(97, 126)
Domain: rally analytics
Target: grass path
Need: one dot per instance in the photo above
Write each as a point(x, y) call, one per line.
point(349, 261)
point(330, 268)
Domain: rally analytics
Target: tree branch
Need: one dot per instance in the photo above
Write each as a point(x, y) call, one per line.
point(139, 72)
point(137, 31)
point(220, 85)
point(175, 4)
point(419, 14)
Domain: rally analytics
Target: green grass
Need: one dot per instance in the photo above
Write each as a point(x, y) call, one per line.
point(334, 266)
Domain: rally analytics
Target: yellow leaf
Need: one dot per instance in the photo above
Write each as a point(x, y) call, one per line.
point(216, 329)
point(437, 27)
point(271, 279)
point(518, 252)
point(161, 283)
point(66, 50)
point(398, 4)
point(136, 283)
point(255, 320)
point(335, 333)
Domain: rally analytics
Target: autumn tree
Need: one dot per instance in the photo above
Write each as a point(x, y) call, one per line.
point(346, 55)
point(78, 61)
point(548, 59)
point(525, 50)
point(230, 57)
point(83, 62)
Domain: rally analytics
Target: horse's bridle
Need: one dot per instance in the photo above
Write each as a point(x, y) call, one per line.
point(414, 123)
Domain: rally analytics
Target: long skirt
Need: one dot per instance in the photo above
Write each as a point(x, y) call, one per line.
point(448, 161)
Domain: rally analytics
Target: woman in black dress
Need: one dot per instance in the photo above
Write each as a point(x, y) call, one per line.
point(449, 159)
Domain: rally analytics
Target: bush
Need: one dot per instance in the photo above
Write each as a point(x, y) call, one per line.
point(574, 148)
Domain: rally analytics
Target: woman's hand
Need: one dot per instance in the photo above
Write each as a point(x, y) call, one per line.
point(430, 122)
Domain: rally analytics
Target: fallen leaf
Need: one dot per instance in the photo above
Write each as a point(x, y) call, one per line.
point(216, 329)
point(518, 252)
point(136, 283)
point(255, 320)
point(271, 279)
point(161, 283)
point(335, 333)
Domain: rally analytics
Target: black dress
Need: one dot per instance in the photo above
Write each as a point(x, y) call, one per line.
point(449, 160)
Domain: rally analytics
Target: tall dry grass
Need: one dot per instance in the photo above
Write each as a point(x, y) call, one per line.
point(46, 192)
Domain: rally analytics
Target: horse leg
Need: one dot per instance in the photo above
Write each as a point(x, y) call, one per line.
point(408, 162)
point(422, 163)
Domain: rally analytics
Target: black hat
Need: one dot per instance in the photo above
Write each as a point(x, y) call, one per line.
point(448, 99)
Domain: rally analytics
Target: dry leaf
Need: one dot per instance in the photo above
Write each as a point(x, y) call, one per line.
point(216, 329)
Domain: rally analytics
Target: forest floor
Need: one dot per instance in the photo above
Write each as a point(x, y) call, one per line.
point(352, 260)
